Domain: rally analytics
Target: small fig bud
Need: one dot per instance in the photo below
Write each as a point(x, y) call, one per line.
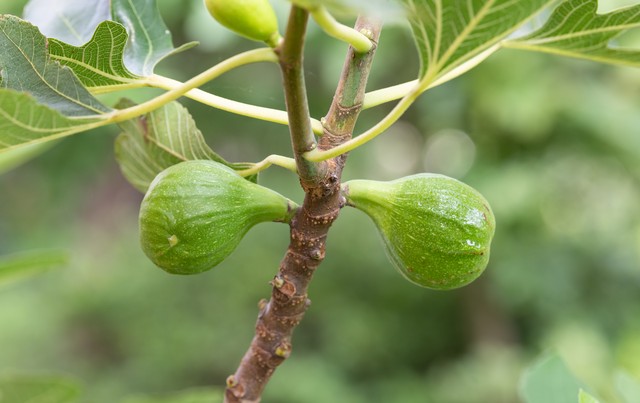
point(196, 212)
point(253, 19)
point(436, 230)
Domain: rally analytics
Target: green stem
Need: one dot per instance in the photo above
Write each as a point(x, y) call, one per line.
point(273, 159)
point(384, 95)
point(252, 56)
point(239, 108)
point(432, 80)
point(380, 127)
point(360, 42)
point(291, 55)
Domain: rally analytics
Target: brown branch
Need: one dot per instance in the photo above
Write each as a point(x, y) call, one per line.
point(279, 316)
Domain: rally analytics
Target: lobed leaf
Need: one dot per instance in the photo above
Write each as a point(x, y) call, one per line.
point(575, 29)
point(45, 97)
point(70, 21)
point(158, 140)
point(73, 22)
point(25, 66)
point(453, 36)
point(99, 62)
point(150, 40)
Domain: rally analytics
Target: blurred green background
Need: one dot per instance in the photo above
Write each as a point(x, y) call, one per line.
point(552, 143)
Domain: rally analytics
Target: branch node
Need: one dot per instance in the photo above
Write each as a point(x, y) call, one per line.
point(288, 289)
point(370, 35)
point(234, 388)
point(283, 350)
point(231, 381)
point(277, 282)
point(288, 299)
point(317, 254)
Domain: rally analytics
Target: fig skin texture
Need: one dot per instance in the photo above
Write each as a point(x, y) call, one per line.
point(253, 19)
point(436, 230)
point(195, 213)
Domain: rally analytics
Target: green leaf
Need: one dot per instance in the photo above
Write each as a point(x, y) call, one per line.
point(158, 140)
point(99, 63)
point(453, 36)
point(19, 265)
point(549, 381)
point(24, 121)
point(40, 100)
point(25, 66)
point(204, 395)
point(628, 387)
point(38, 389)
point(149, 39)
point(584, 397)
point(576, 30)
point(70, 21)
point(73, 22)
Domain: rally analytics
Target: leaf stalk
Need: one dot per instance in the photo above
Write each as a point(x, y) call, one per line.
point(393, 116)
point(252, 56)
point(273, 159)
point(228, 105)
point(359, 41)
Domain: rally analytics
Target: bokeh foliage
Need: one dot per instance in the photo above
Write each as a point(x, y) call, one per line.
point(552, 143)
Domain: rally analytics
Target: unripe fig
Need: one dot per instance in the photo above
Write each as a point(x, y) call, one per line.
point(436, 230)
point(253, 19)
point(196, 212)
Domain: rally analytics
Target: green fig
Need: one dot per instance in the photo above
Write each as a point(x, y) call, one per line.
point(196, 212)
point(253, 19)
point(436, 230)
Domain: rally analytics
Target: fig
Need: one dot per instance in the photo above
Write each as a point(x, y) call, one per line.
point(436, 230)
point(253, 19)
point(195, 213)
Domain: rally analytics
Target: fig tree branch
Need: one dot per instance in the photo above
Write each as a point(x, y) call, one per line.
point(289, 301)
point(349, 96)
